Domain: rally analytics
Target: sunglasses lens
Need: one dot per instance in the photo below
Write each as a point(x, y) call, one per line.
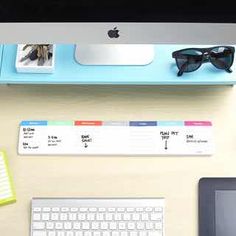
point(189, 60)
point(222, 57)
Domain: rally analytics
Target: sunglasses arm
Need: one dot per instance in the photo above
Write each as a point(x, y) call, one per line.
point(182, 69)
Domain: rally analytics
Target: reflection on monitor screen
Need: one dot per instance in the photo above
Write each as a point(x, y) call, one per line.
point(225, 213)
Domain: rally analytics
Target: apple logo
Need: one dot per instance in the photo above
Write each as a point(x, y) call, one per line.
point(114, 33)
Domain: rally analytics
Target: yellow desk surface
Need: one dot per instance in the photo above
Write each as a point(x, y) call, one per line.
point(175, 178)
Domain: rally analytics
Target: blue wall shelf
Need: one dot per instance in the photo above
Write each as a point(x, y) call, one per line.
point(67, 71)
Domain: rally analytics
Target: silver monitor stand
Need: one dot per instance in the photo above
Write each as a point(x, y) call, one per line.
point(114, 54)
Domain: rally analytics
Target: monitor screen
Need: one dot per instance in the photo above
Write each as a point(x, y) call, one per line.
point(117, 11)
point(225, 212)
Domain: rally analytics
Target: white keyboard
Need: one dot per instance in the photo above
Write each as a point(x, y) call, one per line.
point(97, 217)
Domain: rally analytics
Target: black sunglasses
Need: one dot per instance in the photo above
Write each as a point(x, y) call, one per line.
point(190, 59)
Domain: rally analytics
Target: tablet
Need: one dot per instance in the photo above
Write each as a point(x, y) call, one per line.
point(217, 207)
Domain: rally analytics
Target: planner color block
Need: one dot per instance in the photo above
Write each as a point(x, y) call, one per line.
point(7, 193)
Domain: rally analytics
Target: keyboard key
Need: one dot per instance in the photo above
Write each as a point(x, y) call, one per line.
point(158, 226)
point(104, 225)
point(38, 225)
point(39, 233)
point(45, 216)
point(63, 216)
point(72, 216)
point(156, 216)
point(90, 217)
point(149, 225)
point(130, 209)
point(124, 233)
point(131, 225)
point(142, 233)
point(67, 225)
point(140, 225)
point(133, 233)
point(139, 209)
point(83, 209)
point(36, 209)
point(87, 233)
point(144, 216)
point(100, 217)
point(46, 209)
point(49, 225)
point(148, 209)
point(74, 209)
point(135, 216)
point(108, 216)
point(154, 233)
point(58, 225)
point(95, 225)
point(112, 225)
point(159, 209)
point(70, 233)
point(118, 216)
point(106, 233)
point(111, 209)
point(85, 225)
point(51, 233)
point(81, 216)
point(54, 216)
point(79, 233)
point(101, 209)
point(120, 209)
point(96, 233)
point(115, 233)
point(64, 209)
point(121, 226)
point(126, 216)
point(93, 209)
point(60, 233)
point(36, 217)
point(55, 209)
point(76, 225)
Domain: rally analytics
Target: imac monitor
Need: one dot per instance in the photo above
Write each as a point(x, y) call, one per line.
point(117, 32)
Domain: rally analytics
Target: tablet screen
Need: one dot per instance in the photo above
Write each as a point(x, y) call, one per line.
point(225, 212)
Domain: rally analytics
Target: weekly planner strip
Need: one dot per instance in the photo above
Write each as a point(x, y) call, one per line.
point(115, 138)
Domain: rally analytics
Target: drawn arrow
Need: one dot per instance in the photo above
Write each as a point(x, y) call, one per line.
point(85, 145)
point(166, 145)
